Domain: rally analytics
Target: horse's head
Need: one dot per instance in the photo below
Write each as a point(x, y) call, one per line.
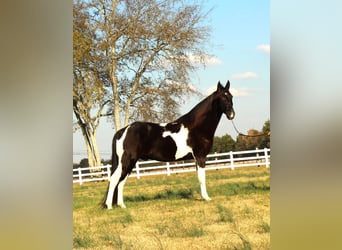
point(225, 100)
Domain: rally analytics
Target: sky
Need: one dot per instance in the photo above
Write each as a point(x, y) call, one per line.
point(239, 49)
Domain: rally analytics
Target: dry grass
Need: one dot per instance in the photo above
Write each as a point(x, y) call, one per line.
point(168, 213)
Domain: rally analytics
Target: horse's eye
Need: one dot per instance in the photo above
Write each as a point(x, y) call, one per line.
point(226, 93)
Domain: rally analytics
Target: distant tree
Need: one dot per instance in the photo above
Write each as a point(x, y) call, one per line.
point(266, 139)
point(106, 162)
point(249, 142)
point(256, 139)
point(84, 163)
point(223, 144)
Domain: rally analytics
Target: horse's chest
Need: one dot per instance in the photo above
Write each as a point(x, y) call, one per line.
point(180, 139)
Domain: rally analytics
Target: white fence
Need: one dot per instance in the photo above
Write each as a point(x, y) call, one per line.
point(230, 160)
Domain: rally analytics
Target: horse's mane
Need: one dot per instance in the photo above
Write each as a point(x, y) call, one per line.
point(197, 113)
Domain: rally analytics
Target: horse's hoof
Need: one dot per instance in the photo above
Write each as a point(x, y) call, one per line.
point(122, 205)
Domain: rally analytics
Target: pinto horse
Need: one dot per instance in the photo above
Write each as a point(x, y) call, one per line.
point(188, 137)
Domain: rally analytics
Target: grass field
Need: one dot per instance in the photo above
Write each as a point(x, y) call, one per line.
point(167, 212)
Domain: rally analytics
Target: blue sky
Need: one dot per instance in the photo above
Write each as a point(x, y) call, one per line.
point(240, 42)
point(239, 50)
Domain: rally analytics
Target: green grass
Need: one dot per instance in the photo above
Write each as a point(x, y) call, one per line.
point(246, 245)
point(82, 239)
point(167, 212)
point(226, 214)
point(264, 227)
point(179, 229)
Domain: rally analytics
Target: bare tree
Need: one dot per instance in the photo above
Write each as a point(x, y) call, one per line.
point(145, 47)
point(88, 91)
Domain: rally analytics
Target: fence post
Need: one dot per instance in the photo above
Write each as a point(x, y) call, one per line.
point(137, 170)
point(257, 155)
point(266, 158)
point(80, 175)
point(108, 171)
point(168, 168)
point(231, 160)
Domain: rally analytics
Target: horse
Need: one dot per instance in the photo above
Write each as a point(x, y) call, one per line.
point(188, 137)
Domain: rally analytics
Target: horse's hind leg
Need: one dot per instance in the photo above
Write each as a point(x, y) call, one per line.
point(128, 164)
point(113, 183)
point(120, 193)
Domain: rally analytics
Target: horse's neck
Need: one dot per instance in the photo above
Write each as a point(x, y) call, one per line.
point(206, 119)
point(210, 122)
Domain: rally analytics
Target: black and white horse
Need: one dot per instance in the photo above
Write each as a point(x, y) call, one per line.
point(188, 137)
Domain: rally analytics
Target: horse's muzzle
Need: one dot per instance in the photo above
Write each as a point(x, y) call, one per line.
point(230, 115)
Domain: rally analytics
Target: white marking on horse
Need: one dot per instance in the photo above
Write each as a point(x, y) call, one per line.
point(180, 139)
point(114, 179)
point(120, 193)
point(201, 179)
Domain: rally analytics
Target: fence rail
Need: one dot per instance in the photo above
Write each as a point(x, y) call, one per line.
point(257, 157)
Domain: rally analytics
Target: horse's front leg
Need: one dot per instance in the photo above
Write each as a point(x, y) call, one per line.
point(201, 178)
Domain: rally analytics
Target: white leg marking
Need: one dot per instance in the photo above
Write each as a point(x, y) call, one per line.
point(120, 193)
point(201, 179)
point(180, 139)
point(114, 179)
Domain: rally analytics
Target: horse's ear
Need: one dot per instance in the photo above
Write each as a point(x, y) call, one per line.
point(219, 87)
point(227, 85)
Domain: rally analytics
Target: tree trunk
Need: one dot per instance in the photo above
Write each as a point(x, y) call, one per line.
point(116, 100)
point(129, 101)
point(94, 158)
point(116, 109)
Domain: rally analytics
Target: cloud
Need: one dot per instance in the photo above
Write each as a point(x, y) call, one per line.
point(205, 59)
point(265, 48)
point(236, 92)
point(240, 92)
point(245, 75)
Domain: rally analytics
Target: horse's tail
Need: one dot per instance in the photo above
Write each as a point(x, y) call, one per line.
point(115, 162)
